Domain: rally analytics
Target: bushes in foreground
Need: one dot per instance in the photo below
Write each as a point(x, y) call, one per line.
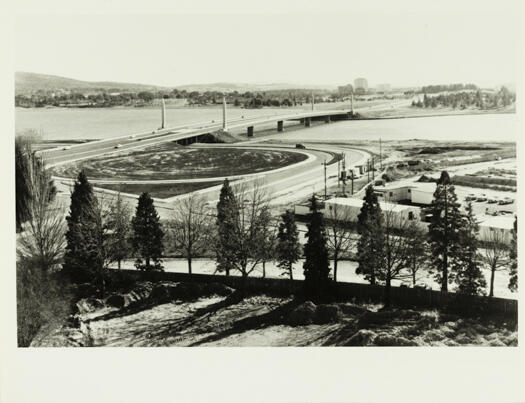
point(43, 299)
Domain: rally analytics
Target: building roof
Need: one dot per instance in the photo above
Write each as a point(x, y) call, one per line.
point(353, 202)
point(503, 222)
point(421, 186)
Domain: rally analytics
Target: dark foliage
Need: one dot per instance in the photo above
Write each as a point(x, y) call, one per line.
point(147, 235)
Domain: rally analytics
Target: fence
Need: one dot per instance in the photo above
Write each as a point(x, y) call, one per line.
point(401, 296)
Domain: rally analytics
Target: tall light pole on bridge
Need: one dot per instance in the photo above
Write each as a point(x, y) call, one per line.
point(312, 100)
point(224, 125)
point(163, 115)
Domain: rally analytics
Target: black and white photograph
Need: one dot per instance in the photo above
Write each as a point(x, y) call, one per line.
point(315, 176)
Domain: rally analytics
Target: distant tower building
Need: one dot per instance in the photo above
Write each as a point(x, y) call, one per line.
point(361, 83)
point(163, 121)
point(224, 126)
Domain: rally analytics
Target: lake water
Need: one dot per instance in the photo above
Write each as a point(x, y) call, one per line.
point(490, 127)
point(96, 123)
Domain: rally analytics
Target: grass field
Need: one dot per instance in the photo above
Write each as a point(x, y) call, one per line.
point(160, 191)
point(171, 161)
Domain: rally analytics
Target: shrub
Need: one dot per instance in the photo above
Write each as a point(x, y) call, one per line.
point(327, 314)
point(42, 299)
point(304, 314)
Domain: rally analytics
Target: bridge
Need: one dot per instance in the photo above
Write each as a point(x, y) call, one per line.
point(186, 134)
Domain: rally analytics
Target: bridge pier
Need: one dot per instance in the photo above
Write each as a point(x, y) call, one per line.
point(280, 125)
point(250, 131)
point(327, 119)
point(307, 122)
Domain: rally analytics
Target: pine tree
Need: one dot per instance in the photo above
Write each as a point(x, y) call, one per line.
point(316, 266)
point(227, 216)
point(444, 229)
point(370, 243)
point(468, 275)
point(513, 257)
point(147, 234)
point(79, 261)
point(288, 247)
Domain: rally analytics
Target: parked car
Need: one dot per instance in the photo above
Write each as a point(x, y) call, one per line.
point(66, 148)
point(506, 200)
point(301, 146)
point(492, 200)
point(481, 198)
point(470, 197)
point(118, 146)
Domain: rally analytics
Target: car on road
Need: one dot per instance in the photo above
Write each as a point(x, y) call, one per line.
point(506, 200)
point(481, 198)
point(492, 200)
point(118, 146)
point(300, 146)
point(66, 148)
point(470, 197)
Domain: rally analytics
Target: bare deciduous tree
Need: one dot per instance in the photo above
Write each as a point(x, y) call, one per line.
point(339, 233)
point(191, 227)
point(249, 237)
point(120, 223)
point(43, 239)
point(418, 253)
point(495, 255)
point(396, 250)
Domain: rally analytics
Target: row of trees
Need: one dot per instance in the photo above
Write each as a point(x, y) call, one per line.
point(462, 100)
point(430, 89)
point(244, 238)
point(114, 97)
point(391, 248)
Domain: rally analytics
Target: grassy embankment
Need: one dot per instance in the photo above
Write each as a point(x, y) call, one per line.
point(170, 161)
point(160, 191)
point(202, 314)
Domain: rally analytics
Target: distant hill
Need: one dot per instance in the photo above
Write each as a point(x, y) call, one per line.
point(30, 82)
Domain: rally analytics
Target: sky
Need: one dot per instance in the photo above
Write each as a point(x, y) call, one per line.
point(328, 48)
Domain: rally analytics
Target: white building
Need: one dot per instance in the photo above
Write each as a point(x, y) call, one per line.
point(361, 83)
point(350, 208)
point(423, 193)
point(414, 192)
point(496, 228)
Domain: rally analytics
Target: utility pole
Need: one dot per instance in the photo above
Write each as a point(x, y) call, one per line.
point(352, 103)
point(373, 170)
point(380, 155)
point(344, 172)
point(338, 174)
point(325, 192)
point(368, 170)
point(312, 100)
point(352, 179)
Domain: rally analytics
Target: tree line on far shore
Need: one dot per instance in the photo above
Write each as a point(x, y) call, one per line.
point(464, 99)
